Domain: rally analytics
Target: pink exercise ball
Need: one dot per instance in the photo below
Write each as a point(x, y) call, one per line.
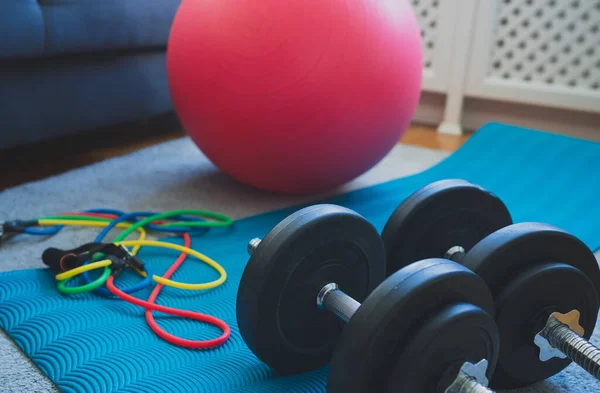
point(295, 96)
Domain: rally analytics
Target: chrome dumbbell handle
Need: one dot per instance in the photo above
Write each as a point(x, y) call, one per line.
point(331, 298)
point(561, 337)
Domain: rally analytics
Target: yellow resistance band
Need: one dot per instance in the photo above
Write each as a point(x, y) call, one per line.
point(194, 253)
point(142, 242)
point(85, 268)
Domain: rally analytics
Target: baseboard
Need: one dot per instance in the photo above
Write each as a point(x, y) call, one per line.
point(584, 125)
point(477, 112)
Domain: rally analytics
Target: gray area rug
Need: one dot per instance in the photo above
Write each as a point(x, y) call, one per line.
point(170, 176)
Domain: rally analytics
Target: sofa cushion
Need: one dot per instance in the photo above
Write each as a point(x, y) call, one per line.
point(54, 97)
point(21, 28)
point(43, 28)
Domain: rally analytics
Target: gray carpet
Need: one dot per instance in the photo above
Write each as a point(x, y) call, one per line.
point(165, 177)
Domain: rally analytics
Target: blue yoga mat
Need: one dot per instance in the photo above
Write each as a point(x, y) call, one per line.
point(89, 344)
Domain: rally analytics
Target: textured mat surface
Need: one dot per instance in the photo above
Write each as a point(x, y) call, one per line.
point(87, 344)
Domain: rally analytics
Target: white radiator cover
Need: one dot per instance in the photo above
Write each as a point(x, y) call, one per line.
point(532, 52)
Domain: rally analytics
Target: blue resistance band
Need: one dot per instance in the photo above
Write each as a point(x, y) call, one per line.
point(158, 228)
point(43, 231)
point(122, 216)
point(55, 229)
point(133, 216)
point(147, 281)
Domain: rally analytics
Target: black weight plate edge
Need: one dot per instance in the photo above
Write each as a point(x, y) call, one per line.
point(553, 244)
point(359, 237)
point(416, 197)
point(434, 354)
point(259, 270)
point(360, 350)
point(426, 195)
point(522, 367)
point(413, 199)
point(253, 277)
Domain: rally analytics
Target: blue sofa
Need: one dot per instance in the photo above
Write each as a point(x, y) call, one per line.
point(70, 66)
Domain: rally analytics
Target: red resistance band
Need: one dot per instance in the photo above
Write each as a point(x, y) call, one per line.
point(150, 305)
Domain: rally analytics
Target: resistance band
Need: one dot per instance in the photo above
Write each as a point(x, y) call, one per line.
point(101, 219)
point(222, 221)
point(83, 220)
point(184, 224)
point(185, 221)
point(150, 304)
point(97, 283)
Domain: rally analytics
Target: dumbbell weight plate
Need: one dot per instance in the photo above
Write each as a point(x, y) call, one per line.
point(534, 269)
point(434, 355)
point(439, 216)
point(277, 311)
point(398, 324)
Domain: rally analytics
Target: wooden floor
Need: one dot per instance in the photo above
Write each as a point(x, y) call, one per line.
point(22, 165)
point(426, 136)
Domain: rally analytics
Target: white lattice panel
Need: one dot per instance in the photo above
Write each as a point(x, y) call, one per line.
point(540, 51)
point(427, 12)
point(549, 42)
point(435, 19)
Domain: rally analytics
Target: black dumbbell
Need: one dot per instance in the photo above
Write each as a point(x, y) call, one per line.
point(444, 218)
point(533, 270)
point(427, 328)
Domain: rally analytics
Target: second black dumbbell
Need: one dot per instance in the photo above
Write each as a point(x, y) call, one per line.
point(544, 280)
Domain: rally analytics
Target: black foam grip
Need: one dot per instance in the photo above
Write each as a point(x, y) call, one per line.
point(52, 257)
